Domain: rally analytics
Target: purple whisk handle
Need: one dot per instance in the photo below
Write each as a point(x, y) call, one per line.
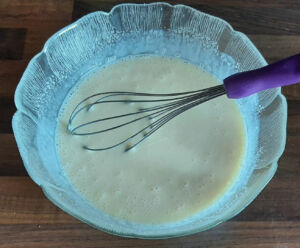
point(281, 73)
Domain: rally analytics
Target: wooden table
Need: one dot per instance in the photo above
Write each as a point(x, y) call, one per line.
point(28, 219)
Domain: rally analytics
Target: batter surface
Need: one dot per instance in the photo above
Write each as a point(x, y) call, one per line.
point(180, 170)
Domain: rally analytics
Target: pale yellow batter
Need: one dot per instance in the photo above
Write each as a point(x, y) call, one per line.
point(180, 170)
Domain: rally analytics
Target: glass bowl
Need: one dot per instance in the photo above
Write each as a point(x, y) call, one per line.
point(151, 29)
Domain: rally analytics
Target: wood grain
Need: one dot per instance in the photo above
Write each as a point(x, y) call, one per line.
point(12, 42)
point(11, 163)
point(10, 74)
point(32, 14)
point(7, 109)
point(251, 17)
point(29, 219)
point(229, 235)
point(275, 47)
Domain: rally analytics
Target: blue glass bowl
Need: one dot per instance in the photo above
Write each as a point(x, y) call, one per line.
point(131, 29)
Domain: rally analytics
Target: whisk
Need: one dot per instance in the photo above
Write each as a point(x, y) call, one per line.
point(167, 106)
